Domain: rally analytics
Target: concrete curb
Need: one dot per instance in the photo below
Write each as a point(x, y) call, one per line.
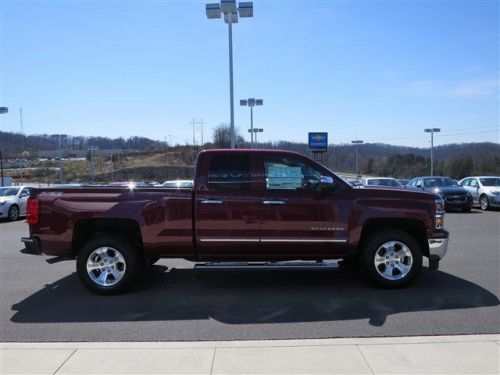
point(464, 354)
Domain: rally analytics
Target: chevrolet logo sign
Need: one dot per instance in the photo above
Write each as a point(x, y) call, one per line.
point(318, 137)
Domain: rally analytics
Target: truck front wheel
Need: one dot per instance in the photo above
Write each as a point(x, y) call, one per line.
point(107, 264)
point(392, 258)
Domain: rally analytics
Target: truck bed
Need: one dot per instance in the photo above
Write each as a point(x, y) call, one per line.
point(162, 216)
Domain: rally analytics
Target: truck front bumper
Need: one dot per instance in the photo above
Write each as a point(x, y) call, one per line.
point(32, 245)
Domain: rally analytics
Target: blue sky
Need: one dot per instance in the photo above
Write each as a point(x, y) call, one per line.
point(378, 71)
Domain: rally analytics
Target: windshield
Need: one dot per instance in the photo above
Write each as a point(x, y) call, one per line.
point(494, 181)
point(439, 181)
point(5, 192)
point(384, 182)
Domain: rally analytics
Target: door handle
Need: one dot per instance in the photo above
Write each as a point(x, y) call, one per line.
point(272, 203)
point(211, 201)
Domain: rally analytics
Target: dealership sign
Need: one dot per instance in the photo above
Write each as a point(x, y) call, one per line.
point(318, 142)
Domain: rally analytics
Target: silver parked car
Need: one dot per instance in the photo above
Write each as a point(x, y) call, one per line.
point(13, 201)
point(485, 190)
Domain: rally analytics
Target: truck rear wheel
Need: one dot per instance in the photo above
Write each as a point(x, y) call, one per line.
point(392, 258)
point(107, 264)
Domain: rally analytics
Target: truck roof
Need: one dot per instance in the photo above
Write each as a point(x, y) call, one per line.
point(248, 150)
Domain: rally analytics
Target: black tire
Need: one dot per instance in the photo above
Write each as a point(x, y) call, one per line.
point(13, 214)
point(351, 262)
point(484, 203)
point(466, 209)
point(132, 260)
point(373, 244)
point(149, 261)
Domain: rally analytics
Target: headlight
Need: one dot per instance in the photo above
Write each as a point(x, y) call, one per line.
point(495, 192)
point(469, 194)
point(439, 218)
point(2, 203)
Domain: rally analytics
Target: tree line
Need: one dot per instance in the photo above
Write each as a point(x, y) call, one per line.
point(376, 159)
point(454, 160)
point(18, 143)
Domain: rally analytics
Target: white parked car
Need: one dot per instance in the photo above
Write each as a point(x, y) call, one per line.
point(178, 184)
point(485, 190)
point(381, 181)
point(13, 201)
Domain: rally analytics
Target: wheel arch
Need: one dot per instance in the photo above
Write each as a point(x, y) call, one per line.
point(86, 228)
point(414, 227)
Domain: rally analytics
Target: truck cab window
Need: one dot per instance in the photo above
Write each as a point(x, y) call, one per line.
point(229, 172)
point(285, 173)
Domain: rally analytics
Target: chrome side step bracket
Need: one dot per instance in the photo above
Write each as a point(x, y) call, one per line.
point(295, 265)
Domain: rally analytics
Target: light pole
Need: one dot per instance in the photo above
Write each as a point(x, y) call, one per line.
point(112, 167)
point(255, 131)
point(59, 155)
point(251, 102)
point(2, 111)
point(230, 11)
point(92, 148)
point(201, 123)
point(356, 143)
point(432, 131)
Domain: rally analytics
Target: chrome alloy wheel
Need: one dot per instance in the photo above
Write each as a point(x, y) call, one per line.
point(393, 260)
point(483, 201)
point(106, 266)
point(13, 213)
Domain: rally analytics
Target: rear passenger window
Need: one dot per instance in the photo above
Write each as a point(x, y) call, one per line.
point(229, 172)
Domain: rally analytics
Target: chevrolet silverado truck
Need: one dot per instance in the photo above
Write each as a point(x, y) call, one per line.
point(248, 206)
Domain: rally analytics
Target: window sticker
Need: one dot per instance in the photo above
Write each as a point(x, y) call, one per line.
point(284, 178)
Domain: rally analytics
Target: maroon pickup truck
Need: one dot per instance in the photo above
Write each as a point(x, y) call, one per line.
point(246, 206)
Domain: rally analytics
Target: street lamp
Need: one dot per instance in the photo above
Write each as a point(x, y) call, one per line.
point(92, 148)
point(356, 143)
point(2, 111)
point(230, 11)
point(255, 131)
point(432, 131)
point(251, 102)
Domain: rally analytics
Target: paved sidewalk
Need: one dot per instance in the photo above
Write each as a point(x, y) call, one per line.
point(471, 354)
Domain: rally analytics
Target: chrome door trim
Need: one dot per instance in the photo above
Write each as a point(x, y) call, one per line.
point(211, 201)
point(271, 203)
point(303, 240)
point(315, 240)
point(229, 239)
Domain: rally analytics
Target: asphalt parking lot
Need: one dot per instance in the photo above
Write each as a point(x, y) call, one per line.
point(42, 302)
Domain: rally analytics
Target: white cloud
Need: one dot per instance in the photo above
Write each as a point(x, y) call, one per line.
point(475, 89)
point(424, 87)
point(469, 89)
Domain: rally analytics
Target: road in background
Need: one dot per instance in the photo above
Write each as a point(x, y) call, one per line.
point(42, 302)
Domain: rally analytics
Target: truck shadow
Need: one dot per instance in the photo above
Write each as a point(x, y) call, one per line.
point(239, 297)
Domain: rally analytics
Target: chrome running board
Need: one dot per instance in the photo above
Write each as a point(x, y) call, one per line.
point(288, 265)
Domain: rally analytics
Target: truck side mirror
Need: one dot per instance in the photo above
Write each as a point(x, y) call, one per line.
point(326, 183)
point(327, 180)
